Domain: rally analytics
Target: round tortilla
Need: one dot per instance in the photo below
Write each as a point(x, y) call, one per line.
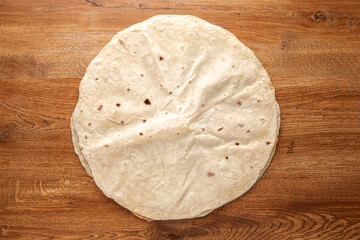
point(175, 118)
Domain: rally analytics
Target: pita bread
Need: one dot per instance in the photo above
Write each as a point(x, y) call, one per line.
point(175, 118)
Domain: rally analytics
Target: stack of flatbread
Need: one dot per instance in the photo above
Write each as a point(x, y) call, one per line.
point(175, 118)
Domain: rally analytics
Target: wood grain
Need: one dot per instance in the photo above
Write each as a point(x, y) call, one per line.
point(311, 50)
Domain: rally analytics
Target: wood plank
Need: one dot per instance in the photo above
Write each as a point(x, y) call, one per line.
point(312, 187)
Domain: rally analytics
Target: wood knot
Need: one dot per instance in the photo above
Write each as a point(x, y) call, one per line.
point(291, 148)
point(4, 229)
point(320, 16)
point(6, 131)
point(140, 5)
point(4, 134)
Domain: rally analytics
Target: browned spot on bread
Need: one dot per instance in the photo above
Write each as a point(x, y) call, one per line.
point(118, 104)
point(141, 75)
point(86, 137)
point(128, 89)
point(81, 110)
point(178, 133)
point(150, 136)
point(202, 105)
point(161, 58)
point(233, 66)
point(106, 145)
point(248, 130)
point(141, 134)
point(144, 120)
point(220, 129)
point(182, 68)
point(122, 122)
point(166, 112)
point(89, 124)
point(215, 108)
point(268, 142)
point(147, 102)
point(241, 125)
point(189, 82)
point(210, 174)
point(226, 157)
point(177, 86)
point(237, 144)
point(170, 93)
point(203, 129)
point(161, 85)
point(96, 79)
point(100, 107)
point(239, 103)
point(258, 100)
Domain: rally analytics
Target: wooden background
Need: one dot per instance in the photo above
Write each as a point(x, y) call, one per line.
point(311, 50)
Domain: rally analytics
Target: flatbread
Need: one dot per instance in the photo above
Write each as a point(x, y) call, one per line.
point(175, 118)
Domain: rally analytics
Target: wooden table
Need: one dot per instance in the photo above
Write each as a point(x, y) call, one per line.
point(311, 50)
